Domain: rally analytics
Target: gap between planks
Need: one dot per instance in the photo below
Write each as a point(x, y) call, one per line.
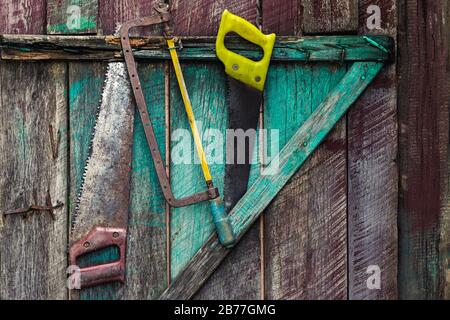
point(167, 122)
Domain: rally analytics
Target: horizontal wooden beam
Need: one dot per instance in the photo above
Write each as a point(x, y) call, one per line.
point(326, 48)
point(307, 138)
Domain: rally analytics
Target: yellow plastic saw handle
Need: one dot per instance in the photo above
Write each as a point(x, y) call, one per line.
point(241, 68)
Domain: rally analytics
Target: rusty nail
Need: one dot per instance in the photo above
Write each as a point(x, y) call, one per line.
point(54, 144)
point(37, 208)
point(87, 244)
point(115, 235)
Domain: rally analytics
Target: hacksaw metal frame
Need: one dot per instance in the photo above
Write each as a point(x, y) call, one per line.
point(163, 16)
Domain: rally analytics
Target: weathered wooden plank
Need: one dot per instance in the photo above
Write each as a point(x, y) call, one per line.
point(373, 172)
point(192, 225)
point(243, 265)
point(72, 16)
point(330, 16)
point(146, 252)
point(146, 272)
point(424, 100)
point(22, 16)
point(33, 250)
point(283, 17)
point(202, 17)
point(230, 281)
point(85, 89)
point(310, 262)
point(266, 187)
point(310, 49)
point(113, 13)
point(305, 236)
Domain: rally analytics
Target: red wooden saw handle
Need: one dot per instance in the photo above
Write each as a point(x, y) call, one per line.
point(100, 238)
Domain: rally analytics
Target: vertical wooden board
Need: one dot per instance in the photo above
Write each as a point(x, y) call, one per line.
point(114, 12)
point(284, 17)
point(146, 252)
point(202, 17)
point(239, 275)
point(330, 16)
point(192, 225)
point(305, 235)
point(22, 16)
point(373, 172)
point(228, 282)
point(72, 16)
point(242, 264)
point(146, 274)
point(424, 99)
point(33, 249)
point(85, 89)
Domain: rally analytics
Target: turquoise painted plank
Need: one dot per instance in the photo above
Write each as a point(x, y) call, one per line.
point(305, 140)
point(84, 95)
point(85, 89)
point(192, 225)
point(287, 97)
point(146, 274)
point(330, 48)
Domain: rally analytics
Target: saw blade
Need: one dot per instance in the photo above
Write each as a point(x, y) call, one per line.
point(243, 114)
point(105, 190)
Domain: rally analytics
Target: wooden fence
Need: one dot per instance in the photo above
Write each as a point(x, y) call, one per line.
point(375, 193)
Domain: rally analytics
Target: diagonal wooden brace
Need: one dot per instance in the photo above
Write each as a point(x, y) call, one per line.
point(266, 187)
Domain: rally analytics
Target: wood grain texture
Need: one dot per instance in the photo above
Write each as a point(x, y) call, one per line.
point(304, 260)
point(267, 186)
point(305, 236)
point(238, 276)
point(373, 174)
point(283, 17)
point(114, 12)
point(85, 89)
point(330, 16)
point(424, 99)
point(202, 17)
point(192, 225)
point(33, 249)
point(80, 48)
point(72, 16)
point(22, 16)
point(146, 252)
point(146, 258)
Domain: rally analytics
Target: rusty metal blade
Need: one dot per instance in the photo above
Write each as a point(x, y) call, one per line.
point(105, 191)
point(243, 114)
